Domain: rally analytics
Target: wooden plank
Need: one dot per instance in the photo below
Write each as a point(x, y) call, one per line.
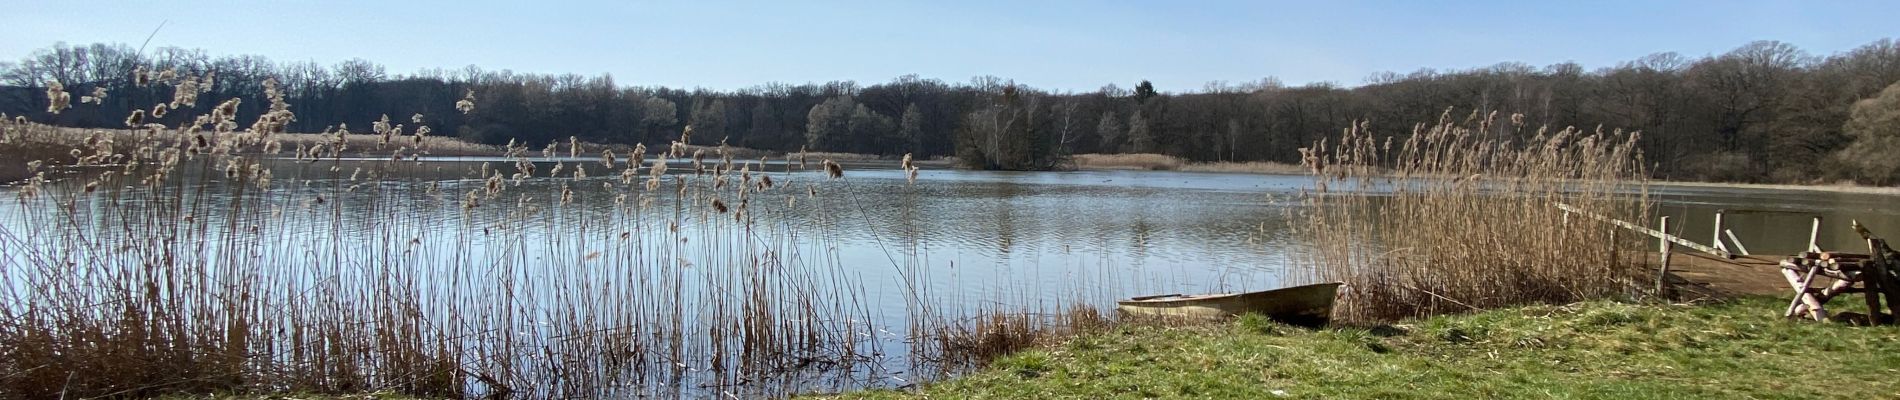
point(1839, 287)
point(1744, 211)
point(1814, 236)
point(1803, 301)
point(1738, 242)
point(1716, 238)
point(1844, 257)
point(1872, 280)
point(1694, 274)
point(1651, 232)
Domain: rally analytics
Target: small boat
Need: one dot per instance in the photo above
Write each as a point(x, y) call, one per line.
point(1307, 305)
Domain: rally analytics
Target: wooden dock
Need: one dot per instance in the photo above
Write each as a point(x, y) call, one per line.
point(1716, 270)
point(1704, 276)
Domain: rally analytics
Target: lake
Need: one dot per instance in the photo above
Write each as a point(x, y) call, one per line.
point(809, 270)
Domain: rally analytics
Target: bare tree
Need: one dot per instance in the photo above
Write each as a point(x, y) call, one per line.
point(1109, 132)
point(1066, 123)
point(1140, 138)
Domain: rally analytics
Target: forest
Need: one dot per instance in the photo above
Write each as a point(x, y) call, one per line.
point(1766, 111)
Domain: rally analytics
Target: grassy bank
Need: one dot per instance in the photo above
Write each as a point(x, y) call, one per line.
point(1585, 350)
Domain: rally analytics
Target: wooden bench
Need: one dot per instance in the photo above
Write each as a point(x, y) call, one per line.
point(1872, 271)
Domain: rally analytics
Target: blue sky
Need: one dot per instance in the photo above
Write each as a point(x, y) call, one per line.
point(1062, 45)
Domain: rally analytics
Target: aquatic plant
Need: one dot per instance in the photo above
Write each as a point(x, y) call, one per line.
point(181, 294)
point(1461, 215)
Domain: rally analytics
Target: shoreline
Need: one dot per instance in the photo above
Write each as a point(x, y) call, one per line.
point(1831, 188)
point(1158, 162)
point(13, 172)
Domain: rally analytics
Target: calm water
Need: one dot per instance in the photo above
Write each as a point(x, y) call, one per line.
point(1769, 221)
point(1024, 240)
point(1024, 237)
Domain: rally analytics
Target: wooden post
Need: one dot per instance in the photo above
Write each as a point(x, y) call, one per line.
point(1739, 248)
point(1814, 236)
point(1716, 239)
point(1615, 252)
point(1873, 278)
point(1803, 302)
point(1662, 275)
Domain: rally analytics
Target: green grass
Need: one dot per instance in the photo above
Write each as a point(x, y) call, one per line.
point(1587, 350)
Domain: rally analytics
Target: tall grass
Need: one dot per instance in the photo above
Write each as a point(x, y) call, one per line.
point(208, 259)
point(1460, 215)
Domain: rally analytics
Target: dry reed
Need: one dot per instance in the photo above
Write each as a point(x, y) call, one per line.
point(1461, 215)
point(1147, 161)
point(1163, 162)
point(189, 289)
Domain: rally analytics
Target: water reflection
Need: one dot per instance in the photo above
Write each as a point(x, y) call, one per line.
point(1777, 221)
point(996, 232)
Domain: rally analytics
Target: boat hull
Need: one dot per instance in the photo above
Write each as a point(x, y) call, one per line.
point(1306, 305)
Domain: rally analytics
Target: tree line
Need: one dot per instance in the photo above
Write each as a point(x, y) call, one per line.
point(1765, 111)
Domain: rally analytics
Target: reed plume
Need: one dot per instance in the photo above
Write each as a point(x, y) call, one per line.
point(833, 170)
point(467, 103)
point(57, 98)
point(98, 96)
